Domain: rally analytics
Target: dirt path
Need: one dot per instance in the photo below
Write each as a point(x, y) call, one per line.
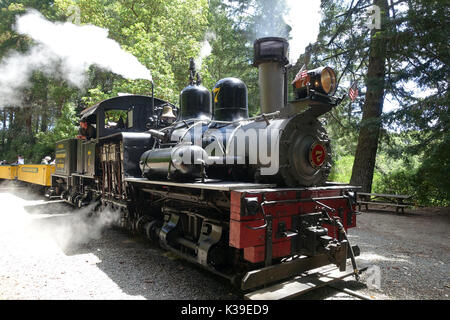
point(49, 252)
point(412, 251)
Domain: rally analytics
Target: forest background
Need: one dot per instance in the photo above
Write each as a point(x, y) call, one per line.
point(393, 139)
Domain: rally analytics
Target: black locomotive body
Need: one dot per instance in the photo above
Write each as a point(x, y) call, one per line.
point(88, 169)
point(246, 198)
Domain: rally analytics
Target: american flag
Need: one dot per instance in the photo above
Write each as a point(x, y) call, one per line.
point(353, 92)
point(301, 75)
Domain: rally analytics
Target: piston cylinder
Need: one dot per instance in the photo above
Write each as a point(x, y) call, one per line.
point(184, 160)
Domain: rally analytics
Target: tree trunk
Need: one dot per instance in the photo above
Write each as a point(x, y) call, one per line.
point(28, 120)
point(5, 114)
point(44, 117)
point(366, 150)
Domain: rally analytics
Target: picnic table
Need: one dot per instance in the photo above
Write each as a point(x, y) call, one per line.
point(399, 201)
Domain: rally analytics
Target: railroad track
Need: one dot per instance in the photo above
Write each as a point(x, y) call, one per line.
point(314, 279)
point(350, 292)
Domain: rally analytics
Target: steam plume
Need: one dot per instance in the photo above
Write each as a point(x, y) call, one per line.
point(30, 218)
point(79, 228)
point(65, 50)
point(304, 19)
point(302, 16)
point(206, 49)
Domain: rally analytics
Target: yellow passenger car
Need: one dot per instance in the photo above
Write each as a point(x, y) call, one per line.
point(36, 173)
point(8, 172)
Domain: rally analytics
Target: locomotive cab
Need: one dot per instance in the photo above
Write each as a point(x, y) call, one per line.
point(85, 167)
point(129, 113)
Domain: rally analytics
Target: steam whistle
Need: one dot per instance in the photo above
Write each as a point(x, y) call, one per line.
point(192, 71)
point(199, 79)
point(194, 76)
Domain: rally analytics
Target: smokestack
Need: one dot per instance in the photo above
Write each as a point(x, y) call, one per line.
point(271, 58)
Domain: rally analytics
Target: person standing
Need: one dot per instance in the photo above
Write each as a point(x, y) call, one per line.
point(20, 159)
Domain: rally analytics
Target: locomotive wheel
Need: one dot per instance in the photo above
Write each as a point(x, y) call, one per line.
point(305, 153)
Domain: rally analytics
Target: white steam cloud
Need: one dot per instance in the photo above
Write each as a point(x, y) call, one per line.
point(65, 50)
point(79, 228)
point(205, 50)
point(33, 218)
point(302, 16)
point(16, 70)
point(304, 19)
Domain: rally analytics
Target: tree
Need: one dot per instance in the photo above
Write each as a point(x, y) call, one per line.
point(415, 61)
point(162, 35)
point(65, 128)
point(154, 31)
point(422, 45)
point(366, 150)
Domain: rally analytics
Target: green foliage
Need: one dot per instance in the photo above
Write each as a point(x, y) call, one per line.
point(416, 161)
point(425, 177)
point(66, 127)
point(424, 191)
point(342, 169)
point(9, 9)
point(163, 35)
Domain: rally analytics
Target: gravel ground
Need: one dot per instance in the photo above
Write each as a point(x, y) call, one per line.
point(51, 256)
point(51, 252)
point(412, 251)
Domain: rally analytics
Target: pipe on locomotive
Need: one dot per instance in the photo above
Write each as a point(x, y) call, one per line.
point(271, 56)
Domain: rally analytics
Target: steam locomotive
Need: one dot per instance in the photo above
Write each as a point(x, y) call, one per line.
point(244, 197)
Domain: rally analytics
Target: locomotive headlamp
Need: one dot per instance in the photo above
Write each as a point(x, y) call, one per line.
point(328, 81)
point(321, 80)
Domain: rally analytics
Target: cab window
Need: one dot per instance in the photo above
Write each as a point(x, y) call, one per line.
point(116, 119)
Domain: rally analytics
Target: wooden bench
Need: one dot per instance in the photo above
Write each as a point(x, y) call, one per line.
point(393, 200)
